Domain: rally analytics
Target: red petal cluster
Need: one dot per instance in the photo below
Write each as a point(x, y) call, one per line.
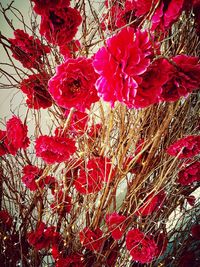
point(27, 49)
point(92, 240)
point(59, 25)
point(54, 149)
point(152, 203)
point(116, 225)
point(141, 247)
point(186, 147)
point(74, 84)
point(31, 174)
point(121, 64)
point(91, 177)
point(41, 6)
point(78, 123)
point(190, 174)
point(62, 203)
point(35, 87)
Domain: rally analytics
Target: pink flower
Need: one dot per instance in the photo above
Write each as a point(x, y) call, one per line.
point(121, 64)
point(35, 87)
point(73, 84)
point(92, 240)
point(78, 123)
point(31, 174)
point(152, 203)
point(59, 25)
point(27, 49)
point(141, 247)
point(186, 147)
point(190, 174)
point(62, 203)
point(16, 135)
point(116, 225)
point(42, 6)
point(54, 149)
point(183, 79)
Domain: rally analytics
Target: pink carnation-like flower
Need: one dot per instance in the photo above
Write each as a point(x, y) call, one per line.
point(183, 79)
point(116, 225)
point(141, 247)
point(27, 49)
point(54, 149)
point(186, 147)
point(59, 25)
point(35, 87)
point(31, 174)
point(74, 84)
point(92, 240)
point(152, 203)
point(190, 174)
point(16, 135)
point(3, 147)
point(42, 6)
point(121, 64)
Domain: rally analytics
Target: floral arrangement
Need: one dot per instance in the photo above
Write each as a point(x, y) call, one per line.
point(113, 178)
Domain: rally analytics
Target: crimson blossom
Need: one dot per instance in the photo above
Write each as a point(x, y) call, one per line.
point(190, 174)
point(27, 49)
point(35, 87)
point(142, 248)
point(92, 240)
point(54, 149)
point(59, 25)
point(116, 225)
point(186, 147)
point(16, 135)
point(31, 174)
point(41, 6)
point(121, 64)
point(73, 85)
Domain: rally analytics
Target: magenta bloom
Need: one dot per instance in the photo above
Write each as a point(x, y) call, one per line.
point(92, 240)
point(31, 174)
point(16, 135)
point(27, 49)
point(121, 64)
point(59, 25)
point(73, 85)
point(116, 225)
point(35, 87)
point(42, 6)
point(188, 147)
point(141, 247)
point(190, 174)
point(54, 149)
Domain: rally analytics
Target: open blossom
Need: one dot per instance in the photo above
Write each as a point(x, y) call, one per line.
point(91, 239)
point(116, 225)
point(121, 64)
point(152, 203)
point(16, 135)
point(53, 149)
point(35, 87)
point(27, 49)
point(73, 85)
point(59, 25)
point(189, 174)
point(31, 174)
point(78, 123)
point(186, 147)
point(142, 248)
point(42, 6)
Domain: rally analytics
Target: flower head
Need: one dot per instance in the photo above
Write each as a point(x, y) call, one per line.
point(190, 174)
point(92, 240)
point(116, 225)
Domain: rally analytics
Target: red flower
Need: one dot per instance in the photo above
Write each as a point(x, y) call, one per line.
point(74, 260)
point(28, 50)
point(190, 174)
point(116, 225)
point(73, 84)
point(59, 25)
point(3, 147)
point(31, 174)
point(196, 231)
point(68, 50)
point(183, 79)
point(5, 219)
point(120, 65)
point(90, 178)
point(43, 236)
point(78, 123)
point(54, 149)
point(62, 203)
point(42, 6)
point(186, 147)
point(92, 240)
point(35, 87)
point(141, 247)
point(152, 203)
point(16, 135)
